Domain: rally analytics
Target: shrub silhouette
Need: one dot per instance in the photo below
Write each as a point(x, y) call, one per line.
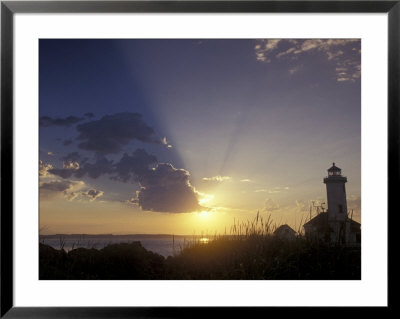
point(253, 257)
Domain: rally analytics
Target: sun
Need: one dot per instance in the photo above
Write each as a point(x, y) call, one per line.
point(205, 214)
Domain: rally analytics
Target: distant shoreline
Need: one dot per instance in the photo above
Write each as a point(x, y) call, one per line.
point(125, 235)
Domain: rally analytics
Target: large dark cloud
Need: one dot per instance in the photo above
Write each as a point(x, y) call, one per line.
point(46, 121)
point(62, 172)
point(101, 167)
point(162, 189)
point(71, 168)
point(134, 166)
point(167, 189)
point(89, 114)
point(112, 132)
point(129, 168)
point(67, 142)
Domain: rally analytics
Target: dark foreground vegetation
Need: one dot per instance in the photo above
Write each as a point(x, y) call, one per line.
point(256, 256)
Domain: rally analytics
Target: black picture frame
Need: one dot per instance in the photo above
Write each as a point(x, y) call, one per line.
point(9, 8)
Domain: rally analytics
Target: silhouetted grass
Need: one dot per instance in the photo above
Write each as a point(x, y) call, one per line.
point(264, 257)
point(249, 252)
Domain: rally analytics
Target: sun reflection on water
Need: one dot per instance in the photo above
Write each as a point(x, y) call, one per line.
point(204, 240)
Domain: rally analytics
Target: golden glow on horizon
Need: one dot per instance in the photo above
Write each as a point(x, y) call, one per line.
point(59, 215)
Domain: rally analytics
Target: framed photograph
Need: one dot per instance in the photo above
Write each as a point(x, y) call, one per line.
point(162, 156)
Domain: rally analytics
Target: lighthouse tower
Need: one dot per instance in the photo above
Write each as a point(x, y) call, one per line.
point(337, 205)
point(334, 226)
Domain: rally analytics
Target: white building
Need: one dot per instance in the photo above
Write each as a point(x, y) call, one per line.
point(334, 226)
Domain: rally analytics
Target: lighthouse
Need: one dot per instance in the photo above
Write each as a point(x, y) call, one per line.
point(336, 194)
point(334, 226)
point(337, 205)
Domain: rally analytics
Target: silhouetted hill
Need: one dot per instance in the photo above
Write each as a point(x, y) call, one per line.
point(118, 261)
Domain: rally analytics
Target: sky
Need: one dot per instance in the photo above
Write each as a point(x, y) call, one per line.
point(189, 136)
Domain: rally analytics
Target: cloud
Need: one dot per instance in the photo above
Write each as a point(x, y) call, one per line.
point(162, 189)
point(89, 194)
point(46, 121)
point(165, 142)
point(44, 169)
point(344, 54)
point(70, 190)
point(71, 195)
point(112, 132)
point(283, 53)
point(54, 188)
point(270, 205)
point(101, 167)
point(302, 205)
point(74, 156)
point(89, 115)
point(167, 189)
point(67, 142)
point(296, 69)
point(62, 172)
point(263, 47)
point(348, 70)
point(246, 180)
point(334, 55)
point(217, 178)
point(92, 194)
point(131, 167)
point(204, 198)
point(275, 190)
point(281, 188)
point(71, 168)
point(71, 165)
point(315, 205)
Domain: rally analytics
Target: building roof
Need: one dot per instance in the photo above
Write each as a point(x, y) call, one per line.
point(354, 222)
point(320, 222)
point(284, 229)
point(354, 226)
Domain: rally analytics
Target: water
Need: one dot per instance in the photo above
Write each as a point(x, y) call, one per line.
point(165, 245)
